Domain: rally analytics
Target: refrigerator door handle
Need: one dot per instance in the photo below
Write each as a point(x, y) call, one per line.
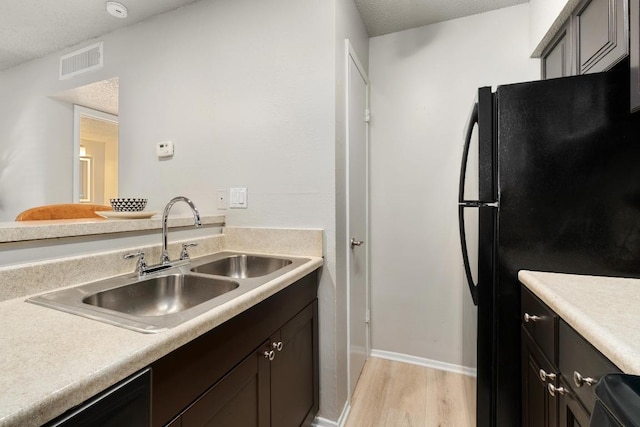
point(473, 119)
point(473, 287)
point(477, 204)
point(462, 203)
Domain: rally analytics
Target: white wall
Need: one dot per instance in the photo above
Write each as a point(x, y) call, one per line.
point(423, 82)
point(542, 15)
point(36, 137)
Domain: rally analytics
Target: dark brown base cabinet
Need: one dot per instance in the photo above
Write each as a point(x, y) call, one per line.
point(259, 368)
point(559, 369)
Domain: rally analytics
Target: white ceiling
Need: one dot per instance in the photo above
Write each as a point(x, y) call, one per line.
point(33, 28)
point(388, 16)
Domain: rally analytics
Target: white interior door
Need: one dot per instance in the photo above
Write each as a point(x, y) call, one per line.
point(357, 209)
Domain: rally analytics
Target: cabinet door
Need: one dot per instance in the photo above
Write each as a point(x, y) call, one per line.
point(294, 370)
point(634, 28)
point(572, 413)
point(556, 61)
point(601, 34)
point(240, 399)
point(539, 408)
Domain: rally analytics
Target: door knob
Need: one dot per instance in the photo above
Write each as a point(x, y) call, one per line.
point(355, 242)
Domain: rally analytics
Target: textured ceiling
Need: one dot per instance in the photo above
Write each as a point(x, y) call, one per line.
point(101, 96)
point(33, 28)
point(98, 130)
point(388, 16)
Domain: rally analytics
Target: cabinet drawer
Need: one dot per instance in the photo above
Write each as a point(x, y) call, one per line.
point(578, 358)
point(541, 323)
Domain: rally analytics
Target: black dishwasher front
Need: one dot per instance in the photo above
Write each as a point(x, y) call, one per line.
point(126, 404)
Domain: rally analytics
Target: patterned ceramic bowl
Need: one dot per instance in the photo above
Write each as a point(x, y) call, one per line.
point(128, 205)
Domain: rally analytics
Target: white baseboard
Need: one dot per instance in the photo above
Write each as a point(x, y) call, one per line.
point(323, 422)
point(429, 363)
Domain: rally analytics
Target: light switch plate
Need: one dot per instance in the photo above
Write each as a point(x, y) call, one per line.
point(238, 198)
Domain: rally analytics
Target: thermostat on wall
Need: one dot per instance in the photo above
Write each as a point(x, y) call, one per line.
point(164, 149)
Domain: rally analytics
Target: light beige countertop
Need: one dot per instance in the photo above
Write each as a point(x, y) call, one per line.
point(19, 231)
point(52, 361)
point(604, 310)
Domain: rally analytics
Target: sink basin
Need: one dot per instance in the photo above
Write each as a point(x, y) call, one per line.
point(149, 304)
point(166, 298)
point(162, 295)
point(242, 266)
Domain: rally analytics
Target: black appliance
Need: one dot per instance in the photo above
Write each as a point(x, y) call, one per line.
point(559, 190)
point(126, 404)
point(617, 401)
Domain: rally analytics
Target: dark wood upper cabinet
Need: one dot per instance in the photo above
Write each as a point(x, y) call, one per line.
point(601, 33)
point(595, 38)
point(556, 59)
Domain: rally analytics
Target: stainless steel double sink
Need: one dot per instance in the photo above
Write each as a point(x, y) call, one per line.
point(155, 302)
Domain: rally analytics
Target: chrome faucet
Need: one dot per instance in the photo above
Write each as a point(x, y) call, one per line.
point(165, 229)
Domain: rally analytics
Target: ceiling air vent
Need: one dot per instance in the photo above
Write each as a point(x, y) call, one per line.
point(81, 61)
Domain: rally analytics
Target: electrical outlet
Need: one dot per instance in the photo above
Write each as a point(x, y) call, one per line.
point(221, 199)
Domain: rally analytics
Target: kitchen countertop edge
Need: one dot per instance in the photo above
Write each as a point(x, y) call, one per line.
point(597, 308)
point(138, 351)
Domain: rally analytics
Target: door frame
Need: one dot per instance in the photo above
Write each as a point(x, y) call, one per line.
point(351, 56)
point(78, 112)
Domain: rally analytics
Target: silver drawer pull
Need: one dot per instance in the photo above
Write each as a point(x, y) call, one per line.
point(579, 380)
point(544, 376)
point(553, 390)
point(530, 318)
point(270, 354)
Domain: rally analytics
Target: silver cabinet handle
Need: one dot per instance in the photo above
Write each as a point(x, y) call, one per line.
point(579, 380)
point(530, 318)
point(553, 390)
point(544, 376)
point(355, 242)
point(270, 354)
point(277, 345)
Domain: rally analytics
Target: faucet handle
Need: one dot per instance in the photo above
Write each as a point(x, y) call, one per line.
point(141, 266)
point(185, 253)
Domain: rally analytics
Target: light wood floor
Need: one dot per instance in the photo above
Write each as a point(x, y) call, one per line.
point(394, 394)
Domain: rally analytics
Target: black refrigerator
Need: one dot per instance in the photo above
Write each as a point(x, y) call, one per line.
point(559, 190)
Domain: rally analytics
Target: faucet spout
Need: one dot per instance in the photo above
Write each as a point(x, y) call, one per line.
point(165, 229)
